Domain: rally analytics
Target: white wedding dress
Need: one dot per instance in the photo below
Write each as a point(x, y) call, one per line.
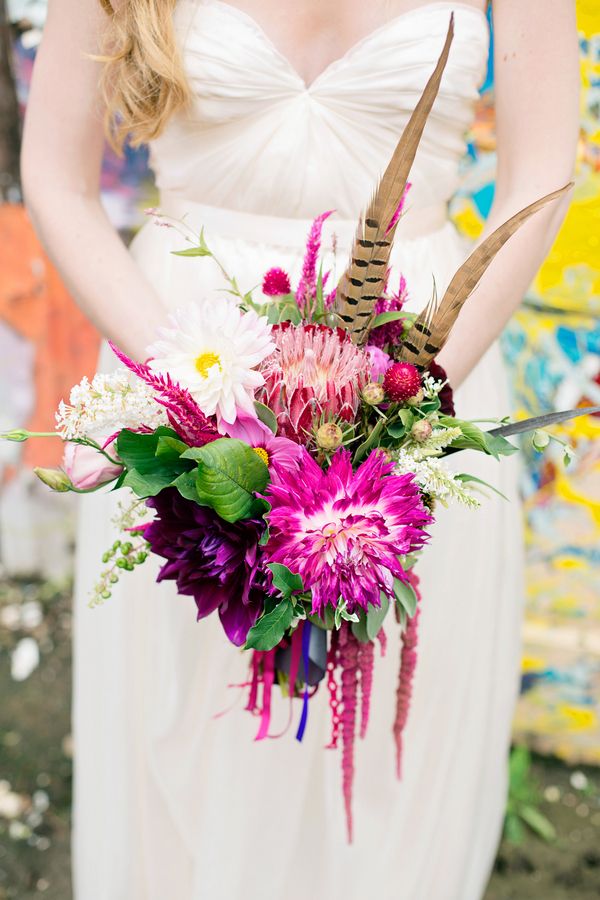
point(170, 800)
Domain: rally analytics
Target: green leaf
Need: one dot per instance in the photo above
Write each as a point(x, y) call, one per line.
point(284, 310)
point(286, 581)
point(407, 418)
point(385, 317)
point(370, 441)
point(518, 766)
point(513, 829)
point(376, 616)
point(468, 479)
point(538, 823)
point(192, 251)
point(271, 627)
point(229, 474)
point(186, 485)
point(396, 430)
point(473, 438)
point(147, 473)
point(326, 620)
point(266, 416)
point(405, 596)
point(359, 629)
point(170, 448)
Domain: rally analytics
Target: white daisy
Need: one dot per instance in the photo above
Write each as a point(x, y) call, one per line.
point(213, 350)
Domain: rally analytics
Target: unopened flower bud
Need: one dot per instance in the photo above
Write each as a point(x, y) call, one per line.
point(421, 431)
point(373, 393)
point(55, 479)
point(329, 436)
point(17, 434)
point(417, 399)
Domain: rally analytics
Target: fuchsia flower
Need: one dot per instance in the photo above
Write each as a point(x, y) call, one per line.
point(315, 371)
point(343, 531)
point(279, 453)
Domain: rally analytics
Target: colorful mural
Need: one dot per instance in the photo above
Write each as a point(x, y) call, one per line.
point(553, 349)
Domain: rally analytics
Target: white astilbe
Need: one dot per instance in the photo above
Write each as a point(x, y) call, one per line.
point(107, 404)
point(434, 478)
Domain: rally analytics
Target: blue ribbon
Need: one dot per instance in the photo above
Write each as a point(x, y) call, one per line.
point(305, 661)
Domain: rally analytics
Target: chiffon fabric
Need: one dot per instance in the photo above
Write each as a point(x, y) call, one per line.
point(173, 799)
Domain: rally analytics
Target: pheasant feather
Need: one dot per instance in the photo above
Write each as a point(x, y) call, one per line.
point(431, 329)
point(362, 283)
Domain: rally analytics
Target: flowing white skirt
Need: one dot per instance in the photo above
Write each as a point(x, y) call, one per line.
point(173, 801)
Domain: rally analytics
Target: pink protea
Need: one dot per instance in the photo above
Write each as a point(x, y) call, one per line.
point(349, 663)
point(408, 662)
point(344, 531)
point(315, 371)
point(307, 286)
point(276, 282)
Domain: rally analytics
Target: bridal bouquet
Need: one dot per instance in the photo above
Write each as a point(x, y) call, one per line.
point(286, 460)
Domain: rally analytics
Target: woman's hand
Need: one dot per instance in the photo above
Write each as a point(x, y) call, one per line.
point(536, 76)
point(61, 159)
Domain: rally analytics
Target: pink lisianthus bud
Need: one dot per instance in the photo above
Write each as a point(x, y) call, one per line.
point(88, 468)
point(276, 282)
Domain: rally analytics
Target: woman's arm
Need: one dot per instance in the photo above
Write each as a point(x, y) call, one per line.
point(536, 77)
point(61, 157)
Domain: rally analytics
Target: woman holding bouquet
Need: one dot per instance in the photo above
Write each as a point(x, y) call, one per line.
point(261, 115)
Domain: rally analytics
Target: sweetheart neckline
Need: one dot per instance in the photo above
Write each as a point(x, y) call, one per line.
point(244, 17)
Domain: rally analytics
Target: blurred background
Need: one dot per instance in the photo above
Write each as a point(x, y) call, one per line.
point(552, 836)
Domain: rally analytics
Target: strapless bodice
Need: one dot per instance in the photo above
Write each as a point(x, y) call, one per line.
point(258, 139)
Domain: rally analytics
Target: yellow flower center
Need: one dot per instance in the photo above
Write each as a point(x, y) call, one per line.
point(262, 454)
point(206, 361)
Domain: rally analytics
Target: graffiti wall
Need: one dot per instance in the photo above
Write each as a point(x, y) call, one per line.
point(553, 349)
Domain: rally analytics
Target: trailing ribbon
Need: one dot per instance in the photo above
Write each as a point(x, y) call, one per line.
point(305, 660)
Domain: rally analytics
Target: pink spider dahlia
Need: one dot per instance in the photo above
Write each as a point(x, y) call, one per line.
point(314, 371)
point(343, 531)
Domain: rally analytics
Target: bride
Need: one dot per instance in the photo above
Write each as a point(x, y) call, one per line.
point(260, 115)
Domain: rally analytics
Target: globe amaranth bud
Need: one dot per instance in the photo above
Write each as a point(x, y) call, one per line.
point(329, 436)
point(402, 381)
point(373, 393)
point(421, 431)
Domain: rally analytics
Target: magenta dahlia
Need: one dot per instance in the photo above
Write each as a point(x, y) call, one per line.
point(315, 371)
point(343, 531)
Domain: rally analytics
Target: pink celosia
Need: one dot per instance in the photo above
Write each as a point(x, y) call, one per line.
point(307, 285)
point(349, 663)
point(185, 416)
point(276, 282)
point(315, 371)
point(408, 662)
point(344, 531)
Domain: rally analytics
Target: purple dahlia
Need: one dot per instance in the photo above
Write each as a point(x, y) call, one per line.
point(343, 531)
point(216, 562)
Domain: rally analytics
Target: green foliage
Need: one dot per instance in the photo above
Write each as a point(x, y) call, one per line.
point(405, 597)
point(473, 438)
point(523, 801)
point(228, 476)
point(153, 461)
point(286, 581)
point(266, 416)
point(271, 627)
point(369, 624)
